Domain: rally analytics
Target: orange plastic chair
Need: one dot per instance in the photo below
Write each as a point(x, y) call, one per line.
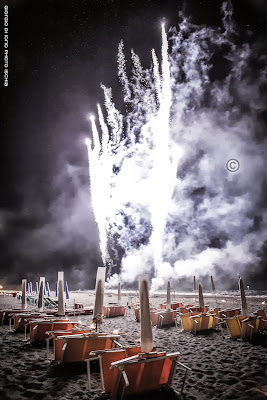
point(77, 348)
point(142, 373)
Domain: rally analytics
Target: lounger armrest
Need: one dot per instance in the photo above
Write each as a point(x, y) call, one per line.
point(184, 366)
point(117, 343)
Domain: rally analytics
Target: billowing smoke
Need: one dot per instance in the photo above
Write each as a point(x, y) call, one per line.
point(164, 200)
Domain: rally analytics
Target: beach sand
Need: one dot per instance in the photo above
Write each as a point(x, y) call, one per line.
point(222, 368)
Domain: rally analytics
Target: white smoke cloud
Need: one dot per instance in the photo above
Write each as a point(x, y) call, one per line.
point(204, 217)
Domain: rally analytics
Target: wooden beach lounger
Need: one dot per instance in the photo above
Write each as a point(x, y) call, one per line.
point(187, 322)
point(77, 348)
point(113, 311)
point(22, 320)
point(142, 373)
point(228, 313)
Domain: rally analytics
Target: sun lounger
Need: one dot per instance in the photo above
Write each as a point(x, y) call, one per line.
point(174, 306)
point(77, 348)
point(38, 328)
point(5, 315)
point(229, 313)
point(250, 326)
point(234, 325)
point(142, 373)
point(263, 319)
point(202, 322)
point(105, 358)
point(113, 311)
point(137, 312)
point(216, 314)
point(187, 322)
point(58, 341)
point(21, 320)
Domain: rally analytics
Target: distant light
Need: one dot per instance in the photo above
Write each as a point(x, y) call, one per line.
point(115, 332)
point(1, 287)
point(263, 303)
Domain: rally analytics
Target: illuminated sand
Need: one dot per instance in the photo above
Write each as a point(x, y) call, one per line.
point(221, 368)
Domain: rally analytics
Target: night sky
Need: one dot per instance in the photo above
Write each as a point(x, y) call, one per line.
point(59, 53)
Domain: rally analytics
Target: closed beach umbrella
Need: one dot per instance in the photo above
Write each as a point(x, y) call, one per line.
point(48, 289)
point(146, 328)
point(67, 290)
point(213, 288)
point(119, 293)
point(56, 288)
point(200, 296)
point(31, 287)
point(99, 295)
point(36, 288)
point(61, 303)
point(243, 298)
point(23, 294)
point(195, 286)
point(41, 294)
point(168, 306)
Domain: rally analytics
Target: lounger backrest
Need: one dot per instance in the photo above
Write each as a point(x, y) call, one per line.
point(207, 322)
point(249, 327)
point(40, 329)
point(58, 340)
point(187, 322)
point(111, 375)
point(166, 318)
point(154, 315)
point(78, 349)
point(234, 326)
point(113, 311)
point(261, 313)
point(144, 376)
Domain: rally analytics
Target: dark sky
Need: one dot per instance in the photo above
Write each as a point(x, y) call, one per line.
point(59, 53)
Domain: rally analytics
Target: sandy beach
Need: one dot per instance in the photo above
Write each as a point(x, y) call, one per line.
point(222, 368)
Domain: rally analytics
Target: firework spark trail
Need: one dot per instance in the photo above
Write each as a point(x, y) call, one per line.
point(164, 223)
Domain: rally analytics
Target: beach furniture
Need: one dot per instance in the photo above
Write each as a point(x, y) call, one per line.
point(142, 373)
point(263, 319)
point(113, 311)
point(216, 313)
point(6, 315)
point(229, 313)
point(105, 358)
point(202, 322)
point(174, 306)
point(234, 325)
point(58, 341)
point(22, 319)
point(163, 318)
point(77, 348)
point(38, 328)
point(250, 326)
